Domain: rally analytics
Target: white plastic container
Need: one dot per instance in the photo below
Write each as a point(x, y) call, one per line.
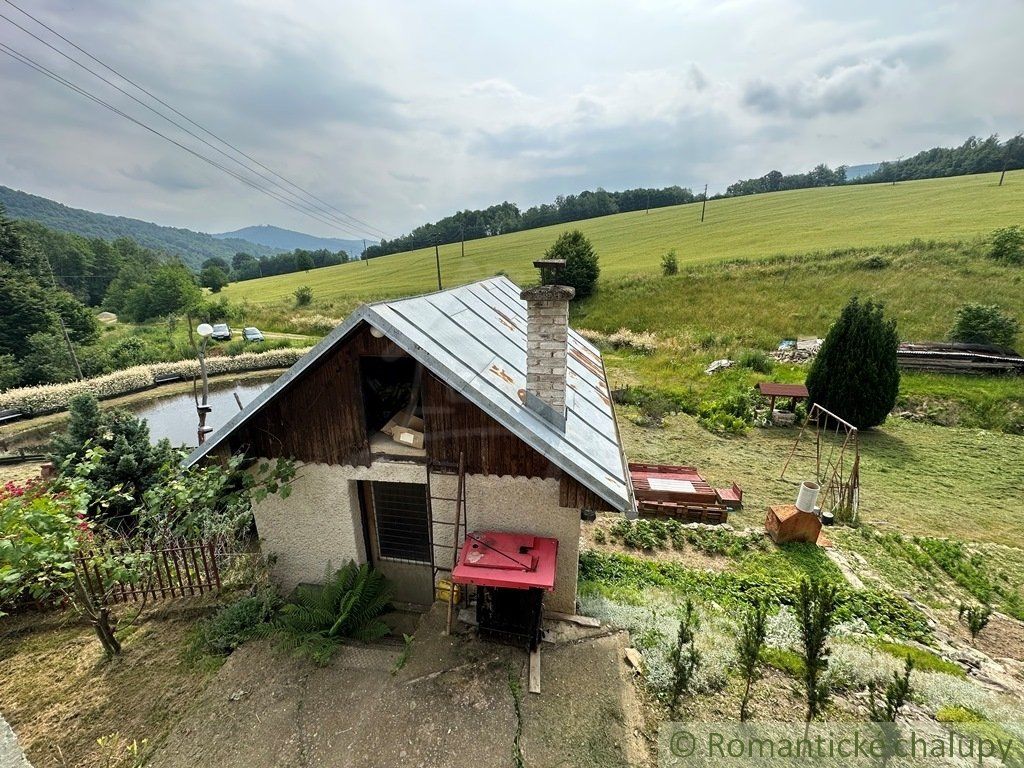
point(808, 495)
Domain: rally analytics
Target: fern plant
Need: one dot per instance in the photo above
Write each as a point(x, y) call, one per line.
point(318, 619)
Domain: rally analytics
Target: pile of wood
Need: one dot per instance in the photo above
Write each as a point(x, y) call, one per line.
point(948, 357)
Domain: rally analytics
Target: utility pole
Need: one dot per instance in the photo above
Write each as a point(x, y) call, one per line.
point(704, 205)
point(896, 170)
point(363, 254)
point(437, 260)
point(64, 328)
point(648, 210)
point(463, 239)
point(71, 348)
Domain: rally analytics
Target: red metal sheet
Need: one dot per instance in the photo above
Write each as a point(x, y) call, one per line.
point(503, 559)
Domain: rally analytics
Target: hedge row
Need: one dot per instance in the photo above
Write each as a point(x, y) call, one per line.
point(49, 398)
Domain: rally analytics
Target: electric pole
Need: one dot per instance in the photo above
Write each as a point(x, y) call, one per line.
point(463, 239)
point(704, 205)
point(64, 328)
point(437, 260)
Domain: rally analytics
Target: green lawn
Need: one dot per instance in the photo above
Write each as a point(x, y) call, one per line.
point(916, 478)
point(752, 227)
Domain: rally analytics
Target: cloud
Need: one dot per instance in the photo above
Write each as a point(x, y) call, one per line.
point(400, 112)
point(843, 89)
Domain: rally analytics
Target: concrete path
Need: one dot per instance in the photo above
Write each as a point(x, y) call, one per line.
point(450, 705)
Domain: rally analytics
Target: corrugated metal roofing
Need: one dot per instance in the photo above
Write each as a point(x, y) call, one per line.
point(474, 338)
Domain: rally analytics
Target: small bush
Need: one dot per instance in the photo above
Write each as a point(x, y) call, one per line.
point(984, 324)
point(654, 404)
point(303, 296)
point(670, 264)
point(232, 625)
point(1007, 244)
point(756, 360)
point(876, 261)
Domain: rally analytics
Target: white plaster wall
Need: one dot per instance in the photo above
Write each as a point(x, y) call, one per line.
point(320, 522)
point(521, 505)
point(319, 526)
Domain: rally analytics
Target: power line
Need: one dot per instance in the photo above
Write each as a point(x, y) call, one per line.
point(370, 228)
point(340, 224)
point(63, 81)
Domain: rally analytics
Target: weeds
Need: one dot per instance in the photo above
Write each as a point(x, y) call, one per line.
point(756, 360)
point(403, 657)
point(516, 689)
point(770, 579)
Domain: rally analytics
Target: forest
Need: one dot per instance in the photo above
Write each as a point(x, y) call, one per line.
point(50, 278)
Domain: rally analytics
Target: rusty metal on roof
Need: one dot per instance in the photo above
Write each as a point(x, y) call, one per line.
point(775, 389)
point(474, 338)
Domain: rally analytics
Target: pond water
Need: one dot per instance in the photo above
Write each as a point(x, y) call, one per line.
point(174, 416)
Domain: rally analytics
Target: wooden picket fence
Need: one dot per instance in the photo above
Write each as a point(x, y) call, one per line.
point(174, 570)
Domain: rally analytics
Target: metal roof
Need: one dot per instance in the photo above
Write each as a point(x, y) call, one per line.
point(474, 338)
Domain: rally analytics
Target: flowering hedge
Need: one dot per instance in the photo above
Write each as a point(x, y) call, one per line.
point(48, 398)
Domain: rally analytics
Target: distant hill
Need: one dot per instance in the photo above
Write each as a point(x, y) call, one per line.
point(856, 171)
point(192, 247)
point(630, 245)
point(289, 240)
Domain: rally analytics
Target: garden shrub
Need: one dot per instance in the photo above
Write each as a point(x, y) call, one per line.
point(855, 374)
point(1007, 244)
point(232, 625)
point(984, 324)
point(732, 414)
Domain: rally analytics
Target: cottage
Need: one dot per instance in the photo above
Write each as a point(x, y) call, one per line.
point(381, 412)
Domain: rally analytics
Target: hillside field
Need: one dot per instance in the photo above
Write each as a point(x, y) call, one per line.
point(753, 227)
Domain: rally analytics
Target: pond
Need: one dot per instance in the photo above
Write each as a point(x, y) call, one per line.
point(174, 415)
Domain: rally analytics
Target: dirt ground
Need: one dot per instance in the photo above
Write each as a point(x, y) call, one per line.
point(451, 704)
point(61, 697)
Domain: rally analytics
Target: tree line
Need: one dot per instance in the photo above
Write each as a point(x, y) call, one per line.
point(973, 156)
point(245, 266)
point(507, 217)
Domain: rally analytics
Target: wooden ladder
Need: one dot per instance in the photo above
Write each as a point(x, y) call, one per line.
point(458, 523)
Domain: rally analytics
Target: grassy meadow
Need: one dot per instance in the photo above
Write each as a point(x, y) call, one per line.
point(758, 226)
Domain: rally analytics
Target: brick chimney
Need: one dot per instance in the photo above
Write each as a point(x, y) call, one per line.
point(547, 339)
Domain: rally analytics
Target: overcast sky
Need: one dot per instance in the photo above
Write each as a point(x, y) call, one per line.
point(401, 113)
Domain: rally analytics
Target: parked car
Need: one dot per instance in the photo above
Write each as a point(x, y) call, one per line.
point(221, 332)
point(252, 334)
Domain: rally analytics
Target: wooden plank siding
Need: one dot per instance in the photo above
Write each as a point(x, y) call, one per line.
point(320, 419)
point(572, 494)
point(453, 425)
